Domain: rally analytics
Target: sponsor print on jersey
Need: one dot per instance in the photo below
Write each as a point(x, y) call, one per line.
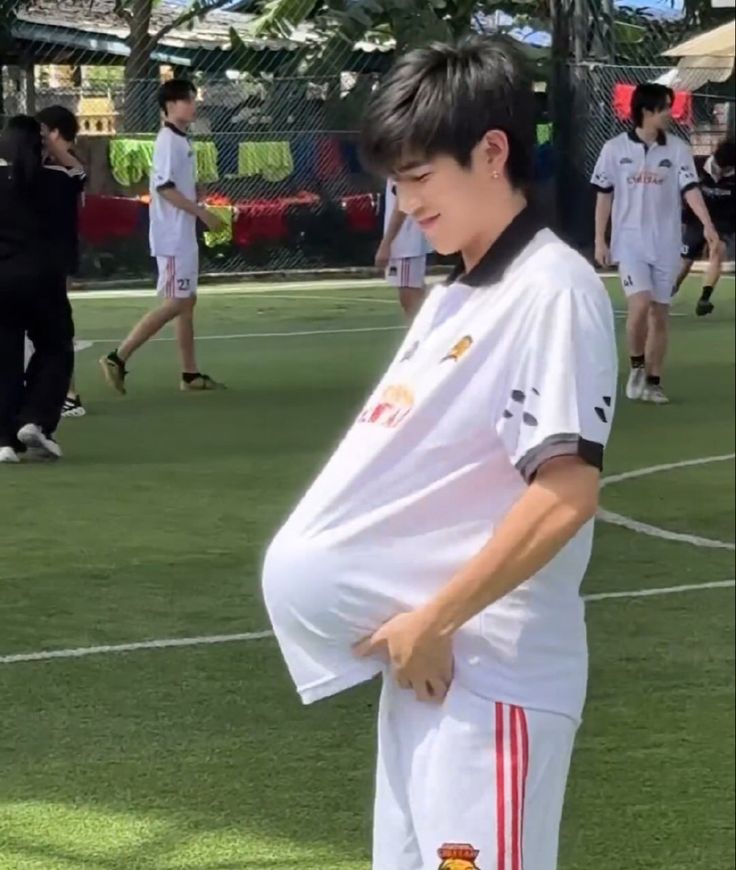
point(645, 177)
point(458, 856)
point(460, 349)
point(392, 408)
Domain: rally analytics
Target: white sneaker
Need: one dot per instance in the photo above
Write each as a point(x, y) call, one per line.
point(33, 437)
point(636, 383)
point(8, 455)
point(655, 395)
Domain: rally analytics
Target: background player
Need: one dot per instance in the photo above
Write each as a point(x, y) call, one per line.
point(640, 176)
point(718, 184)
point(444, 544)
point(59, 128)
point(403, 254)
point(174, 212)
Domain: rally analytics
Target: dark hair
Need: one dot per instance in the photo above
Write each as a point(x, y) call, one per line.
point(175, 90)
point(650, 97)
point(21, 148)
point(725, 154)
point(441, 100)
point(61, 120)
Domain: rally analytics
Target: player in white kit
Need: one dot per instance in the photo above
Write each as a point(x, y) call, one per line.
point(640, 177)
point(174, 212)
point(444, 544)
point(403, 254)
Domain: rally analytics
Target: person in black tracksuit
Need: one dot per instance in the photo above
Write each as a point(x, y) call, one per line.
point(718, 184)
point(33, 299)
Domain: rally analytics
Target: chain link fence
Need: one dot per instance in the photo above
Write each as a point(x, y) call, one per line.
point(275, 136)
point(279, 110)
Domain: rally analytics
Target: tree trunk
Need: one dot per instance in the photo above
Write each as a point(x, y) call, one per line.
point(140, 112)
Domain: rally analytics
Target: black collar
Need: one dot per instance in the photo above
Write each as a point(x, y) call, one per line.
point(503, 251)
point(175, 129)
point(634, 136)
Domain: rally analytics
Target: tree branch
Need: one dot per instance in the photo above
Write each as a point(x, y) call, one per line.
point(122, 11)
point(196, 10)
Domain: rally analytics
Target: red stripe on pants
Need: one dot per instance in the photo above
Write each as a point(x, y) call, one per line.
point(500, 789)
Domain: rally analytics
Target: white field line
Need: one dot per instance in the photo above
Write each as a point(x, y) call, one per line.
point(215, 639)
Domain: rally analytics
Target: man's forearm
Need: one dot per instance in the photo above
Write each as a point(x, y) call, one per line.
point(603, 207)
point(694, 198)
point(178, 200)
point(554, 508)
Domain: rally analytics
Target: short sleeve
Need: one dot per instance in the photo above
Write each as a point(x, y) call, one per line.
point(687, 173)
point(604, 178)
point(162, 172)
point(561, 394)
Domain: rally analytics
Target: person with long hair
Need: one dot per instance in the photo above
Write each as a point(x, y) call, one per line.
point(33, 301)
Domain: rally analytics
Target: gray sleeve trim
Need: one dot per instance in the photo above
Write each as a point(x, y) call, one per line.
point(564, 444)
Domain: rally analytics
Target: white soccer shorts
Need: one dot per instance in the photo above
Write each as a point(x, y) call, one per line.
point(468, 785)
point(639, 276)
point(178, 276)
point(407, 272)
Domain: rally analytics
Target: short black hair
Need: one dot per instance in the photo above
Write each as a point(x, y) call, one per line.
point(175, 90)
point(725, 154)
point(441, 100)
point(650, 97)
point(60, 119)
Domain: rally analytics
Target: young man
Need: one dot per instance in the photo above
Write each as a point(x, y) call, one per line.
point(640, 177)
point(174, 215)
point(403, 254)
point(59, 128)
point(444, 544)
point(718, 184)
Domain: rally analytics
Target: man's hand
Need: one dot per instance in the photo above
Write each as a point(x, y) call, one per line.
point(602, 253)
point(383, 255)
point(211, 221)
point(420, 658)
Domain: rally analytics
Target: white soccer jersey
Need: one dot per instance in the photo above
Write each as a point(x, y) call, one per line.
point(411, 241)
point(504, 368)
point(172, 230)
point(647, 182)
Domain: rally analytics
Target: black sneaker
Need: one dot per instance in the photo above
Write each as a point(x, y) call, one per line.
point(704, 307)
point(73, 407)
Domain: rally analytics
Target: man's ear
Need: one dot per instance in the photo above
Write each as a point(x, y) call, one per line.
point(496, 151)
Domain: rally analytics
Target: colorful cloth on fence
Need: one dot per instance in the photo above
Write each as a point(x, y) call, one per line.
point(103, 218)
point(226, 213)
point(361, 211)
point(304, 149)
point(272, 160)
point(264, 220)
point(544, 134)
point(682, 107)
point(329, 159)
point(131, 160)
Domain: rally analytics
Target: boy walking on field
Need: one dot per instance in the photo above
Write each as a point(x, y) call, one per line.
point(174, 215)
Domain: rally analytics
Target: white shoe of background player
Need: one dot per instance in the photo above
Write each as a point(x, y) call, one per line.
point(636, 383)
point(654, 394)
point(33, 437)
point(8, 455)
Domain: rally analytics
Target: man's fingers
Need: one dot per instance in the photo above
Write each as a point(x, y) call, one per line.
point(365, 648)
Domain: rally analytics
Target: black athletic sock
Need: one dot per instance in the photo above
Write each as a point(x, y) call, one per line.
point(188, 377)
point(654, 380)
point(706, 294)
point(637, 362)
point(113, 357)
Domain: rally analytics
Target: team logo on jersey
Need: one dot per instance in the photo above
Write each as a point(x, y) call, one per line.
point(391, 409)
point(666, 163)
point(460, 349)
point(410, 352)
point(624, 160)
point(458, 856)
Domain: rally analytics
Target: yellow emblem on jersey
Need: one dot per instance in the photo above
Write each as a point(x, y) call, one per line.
point(458, 856)
point(460, 349)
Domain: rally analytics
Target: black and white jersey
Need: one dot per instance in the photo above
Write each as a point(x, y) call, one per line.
point(719, 193)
